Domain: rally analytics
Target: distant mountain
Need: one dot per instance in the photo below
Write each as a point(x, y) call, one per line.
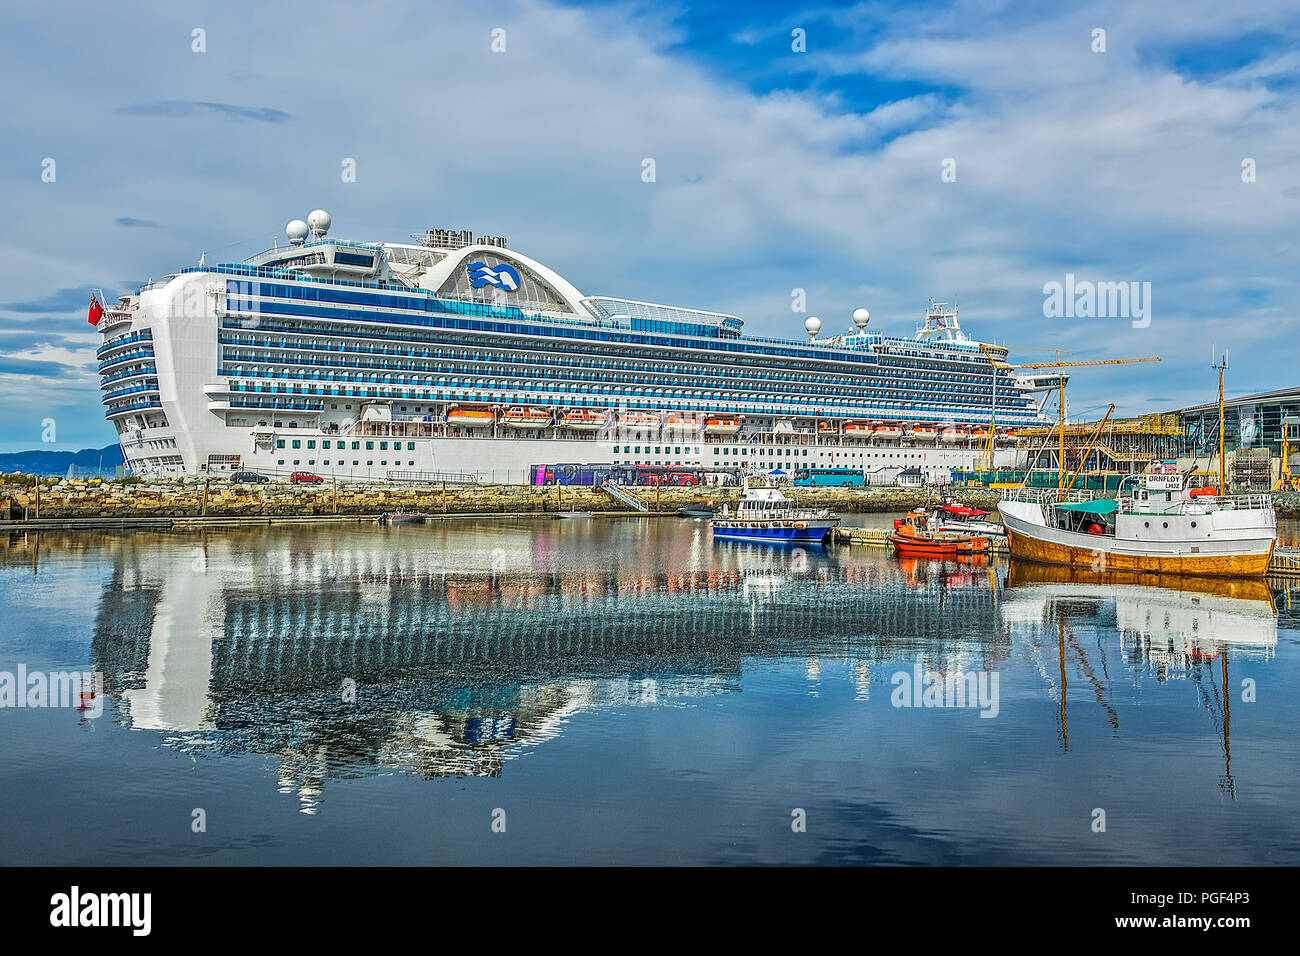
point(56, 462)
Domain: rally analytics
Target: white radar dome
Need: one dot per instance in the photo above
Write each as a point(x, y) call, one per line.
point(319, 220)
point(861, 317)
point(296, 230)
point(812, 324)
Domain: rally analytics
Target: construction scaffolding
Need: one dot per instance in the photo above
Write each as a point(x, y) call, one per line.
point(1123, 446)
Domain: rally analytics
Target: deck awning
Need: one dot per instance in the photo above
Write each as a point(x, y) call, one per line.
point(1102, 506)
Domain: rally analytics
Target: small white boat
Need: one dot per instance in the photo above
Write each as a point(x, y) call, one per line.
point(573, 514)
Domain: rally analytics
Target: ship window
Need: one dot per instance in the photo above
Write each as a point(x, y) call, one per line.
point(383, 446)
point(279, 443)
point(370, 446)
point(311, 443)
point(325, 444)
point(410, 446)
point(370, 462)
point(354, 461)
point(297, 444)
point(280, 462)
point(356, 445)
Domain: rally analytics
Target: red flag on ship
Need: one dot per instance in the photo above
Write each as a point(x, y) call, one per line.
point(95, 310)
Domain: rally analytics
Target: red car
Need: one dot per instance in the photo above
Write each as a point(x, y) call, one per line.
point(305, 478)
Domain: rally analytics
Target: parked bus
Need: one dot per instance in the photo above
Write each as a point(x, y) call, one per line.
point(820, 477)
point(572, 473)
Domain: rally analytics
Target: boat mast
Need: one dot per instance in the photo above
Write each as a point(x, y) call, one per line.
point(1221, 365)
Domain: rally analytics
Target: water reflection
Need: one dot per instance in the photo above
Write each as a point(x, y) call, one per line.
point(1170, 627)
point(469, 645)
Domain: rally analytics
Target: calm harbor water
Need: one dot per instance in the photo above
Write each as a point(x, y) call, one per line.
point(628, 691)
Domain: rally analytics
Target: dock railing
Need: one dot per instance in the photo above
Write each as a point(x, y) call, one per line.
point(629, 499)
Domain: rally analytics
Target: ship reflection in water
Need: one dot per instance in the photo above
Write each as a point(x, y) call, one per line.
point(366, 659)
point(1171, 627)
point(336, 654)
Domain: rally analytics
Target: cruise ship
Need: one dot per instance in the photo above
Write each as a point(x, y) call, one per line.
point(453, 354)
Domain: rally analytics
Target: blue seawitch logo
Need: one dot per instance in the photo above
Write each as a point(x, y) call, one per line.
point(502, 276)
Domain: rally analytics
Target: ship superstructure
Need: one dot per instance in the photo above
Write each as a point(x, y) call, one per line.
point(458, 354)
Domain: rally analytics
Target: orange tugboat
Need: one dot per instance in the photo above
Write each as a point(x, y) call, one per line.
point(914, 535)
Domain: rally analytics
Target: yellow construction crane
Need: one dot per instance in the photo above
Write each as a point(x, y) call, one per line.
point(1060, 463)
point(1290, 433)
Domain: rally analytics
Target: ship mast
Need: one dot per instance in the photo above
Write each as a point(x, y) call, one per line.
point(1221, 365)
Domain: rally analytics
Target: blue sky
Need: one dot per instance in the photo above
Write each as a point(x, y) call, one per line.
point(776, 170)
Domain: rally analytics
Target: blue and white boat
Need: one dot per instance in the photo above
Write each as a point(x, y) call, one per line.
point(765, 514)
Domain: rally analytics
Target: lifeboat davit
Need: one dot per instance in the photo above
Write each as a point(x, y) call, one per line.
point(889, 431)
point(583, 420)
point(951, 435)
point(463, 416)
point(721, 426)
point(638, 422)
point(526, 419)
point(1006, 436)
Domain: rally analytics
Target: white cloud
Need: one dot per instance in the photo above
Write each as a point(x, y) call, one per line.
point(1067, 161)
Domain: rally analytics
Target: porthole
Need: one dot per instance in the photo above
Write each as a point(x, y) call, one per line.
point(1193, 524)
point(1146, 524)
point(1165, 525)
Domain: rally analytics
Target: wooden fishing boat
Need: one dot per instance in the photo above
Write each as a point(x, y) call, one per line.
point(1160, 527)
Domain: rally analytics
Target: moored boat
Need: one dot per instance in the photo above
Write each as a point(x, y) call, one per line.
point(1161, 527)
point(963, 519)
point(402, 517)
point(767, 515)
point(917, 534)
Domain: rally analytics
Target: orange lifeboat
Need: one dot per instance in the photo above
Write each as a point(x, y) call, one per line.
point(583, 420)
point(470, 416)
point(721, 426)
point(923, 433)
point(889, 430)
point(681, 425)
point(858, 430)
point(526, 419)
point(951, 435)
